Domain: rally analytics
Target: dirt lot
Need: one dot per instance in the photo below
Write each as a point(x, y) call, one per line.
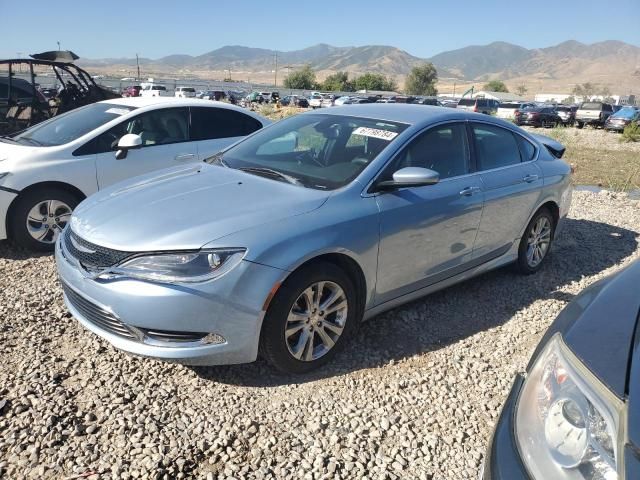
point(415, 396)
point(600, 157)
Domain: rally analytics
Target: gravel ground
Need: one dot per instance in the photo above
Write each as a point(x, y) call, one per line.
point(415, 396)
point(588, 137)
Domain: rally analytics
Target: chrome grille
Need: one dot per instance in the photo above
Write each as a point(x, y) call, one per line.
point(97, 315)
point(91, 256)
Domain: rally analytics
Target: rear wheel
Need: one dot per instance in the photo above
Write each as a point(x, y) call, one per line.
point(579, 124)
point(310, 319)
point(536, 242)
point(39, 216)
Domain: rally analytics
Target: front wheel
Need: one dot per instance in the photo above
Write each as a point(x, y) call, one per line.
point(579, 124)
point(536, 242)
point(39, 216)
point(310, 318)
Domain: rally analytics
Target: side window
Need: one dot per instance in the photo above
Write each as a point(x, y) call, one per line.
point(495, 147)
point(443, 149)
point(527, 150)
point(208, 123)
point(158, 127)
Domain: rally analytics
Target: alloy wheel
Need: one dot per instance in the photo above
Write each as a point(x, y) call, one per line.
point(47, 219)
point(538, 241)
point(316, 321)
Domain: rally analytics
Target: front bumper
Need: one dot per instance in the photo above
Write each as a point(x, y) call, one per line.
point(230, 307)
point(502, 461)
point(616, 127)
point(5, 200)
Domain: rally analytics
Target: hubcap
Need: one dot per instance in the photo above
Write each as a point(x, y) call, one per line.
point(538, 241)
point(316, 321)
point(47, 219)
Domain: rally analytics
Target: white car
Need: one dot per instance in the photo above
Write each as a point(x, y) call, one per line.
point(149, 90)
point(185, 92)
point(507, 110)
point(46, 170)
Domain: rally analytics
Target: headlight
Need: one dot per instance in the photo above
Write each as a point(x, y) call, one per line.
point(181, 267)
point(568, 424)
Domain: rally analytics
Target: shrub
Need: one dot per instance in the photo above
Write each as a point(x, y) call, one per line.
point(631, 133)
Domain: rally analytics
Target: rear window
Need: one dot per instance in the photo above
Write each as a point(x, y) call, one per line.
point(467, 102)
point(188, 89)
point(591, 106)
point(563, 109)
point(509, 105)
point(627, 113)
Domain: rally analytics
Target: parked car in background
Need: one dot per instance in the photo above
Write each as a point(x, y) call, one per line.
point(46, 170)
point(427, 101)
point(449, 103)
point(294, 101)
point(327, 100)
point(154, 90)
point(623, 117)
point(479, 105)
point(315, 100)
point(185, 92)
point(507, 110)
point(593, 113)
point(285, 241)
point(575, 412)
point(344, 100)
point(538, 117)
point(132, 91)
point(214, 95)
point(617, 107)
point(567, 113)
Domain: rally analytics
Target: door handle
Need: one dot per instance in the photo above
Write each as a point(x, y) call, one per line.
point(530, 178)
point(468, 191)
point(185, 156)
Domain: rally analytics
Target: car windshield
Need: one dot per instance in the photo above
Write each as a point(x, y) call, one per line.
point(72, 125)
point(591, 106)
point(316, 151)
point(510, 105)
point(563, 109)
point(466, 102)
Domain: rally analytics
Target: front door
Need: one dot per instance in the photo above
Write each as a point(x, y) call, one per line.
point(165, 143)
point(428, 233)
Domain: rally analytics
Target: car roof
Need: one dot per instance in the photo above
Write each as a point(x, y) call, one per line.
point(406, 113)
point(140, 102)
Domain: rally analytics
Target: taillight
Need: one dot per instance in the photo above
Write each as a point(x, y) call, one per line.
point(475, 108)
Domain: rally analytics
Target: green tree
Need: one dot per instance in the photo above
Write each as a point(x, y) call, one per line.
point(303, 79)
point(374, 81)
point(569, 100)
point(586, 90)
point(338, 82)
point(422, 80)
point(495, 86)
point(521, 89)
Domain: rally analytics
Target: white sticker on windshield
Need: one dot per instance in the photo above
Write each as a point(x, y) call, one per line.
point(117, 111)
point(376, 133)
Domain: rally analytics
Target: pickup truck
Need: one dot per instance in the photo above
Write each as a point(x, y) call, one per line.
point(185, 92)
point(154, 91)
point(593, 113)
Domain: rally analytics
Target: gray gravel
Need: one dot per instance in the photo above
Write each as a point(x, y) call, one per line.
point(415, 396)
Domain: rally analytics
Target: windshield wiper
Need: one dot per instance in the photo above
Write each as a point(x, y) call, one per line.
point(272, 173)
point(8, 138)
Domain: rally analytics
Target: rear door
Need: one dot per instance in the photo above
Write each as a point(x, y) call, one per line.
point(165, 143)
point(215, 128)
point(512, 183)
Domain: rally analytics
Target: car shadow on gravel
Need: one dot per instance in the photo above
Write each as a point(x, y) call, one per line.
point(584, 248)
point(8, 251)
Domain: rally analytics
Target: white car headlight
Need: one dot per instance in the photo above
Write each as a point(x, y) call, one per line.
point(568, 424)
point(185, 267)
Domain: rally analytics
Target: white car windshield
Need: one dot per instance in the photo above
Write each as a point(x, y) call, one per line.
point(72, 125)
point(315, 151)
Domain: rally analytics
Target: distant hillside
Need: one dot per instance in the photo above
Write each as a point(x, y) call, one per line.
point(611, 62)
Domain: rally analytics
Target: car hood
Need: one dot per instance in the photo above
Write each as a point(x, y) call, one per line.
point(8, 151)
point(599, 325)
point(186, 207)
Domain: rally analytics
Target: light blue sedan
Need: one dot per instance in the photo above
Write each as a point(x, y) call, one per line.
point(285, 242)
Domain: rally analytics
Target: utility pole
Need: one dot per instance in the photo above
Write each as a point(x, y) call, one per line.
point(454, 89)
point(138, 65)
point(58, 42)
point(275, 76)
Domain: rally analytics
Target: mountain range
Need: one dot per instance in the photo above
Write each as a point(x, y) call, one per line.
point(611, 63)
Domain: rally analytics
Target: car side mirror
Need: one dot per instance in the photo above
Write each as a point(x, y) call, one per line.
point(130, 141)
point(410, 177)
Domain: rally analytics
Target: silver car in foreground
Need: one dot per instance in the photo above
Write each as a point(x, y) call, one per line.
point(285, 241)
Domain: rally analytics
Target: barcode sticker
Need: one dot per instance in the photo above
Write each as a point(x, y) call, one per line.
point(375, 133)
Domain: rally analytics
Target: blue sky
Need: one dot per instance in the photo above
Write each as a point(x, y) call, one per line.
point(98, 29)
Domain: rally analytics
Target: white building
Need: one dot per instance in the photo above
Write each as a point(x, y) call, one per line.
point(500, 96)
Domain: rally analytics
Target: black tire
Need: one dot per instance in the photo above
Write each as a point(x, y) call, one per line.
point(579, 124)
point(17, 222)
point(522, 263)
point(273, 344)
